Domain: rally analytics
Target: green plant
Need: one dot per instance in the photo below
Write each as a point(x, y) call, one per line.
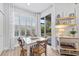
point(73, 32)
point(42, 29)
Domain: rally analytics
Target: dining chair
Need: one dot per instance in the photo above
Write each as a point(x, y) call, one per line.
point(23, 51)
point(39, 48)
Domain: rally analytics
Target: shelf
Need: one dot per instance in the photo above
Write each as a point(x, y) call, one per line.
point(67, 18)
point(69, 54)
point(61, 25)
point(64, 25)
point(69, 51)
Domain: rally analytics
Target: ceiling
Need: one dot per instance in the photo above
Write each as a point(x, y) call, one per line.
point(34, 7)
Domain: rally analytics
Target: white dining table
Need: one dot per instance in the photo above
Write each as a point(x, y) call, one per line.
point(30, 41)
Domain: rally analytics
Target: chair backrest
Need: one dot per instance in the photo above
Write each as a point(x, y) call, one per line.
point(21, 42)
point(42, 43)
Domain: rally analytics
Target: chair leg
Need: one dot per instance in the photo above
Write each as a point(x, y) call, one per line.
point(31, 52)
point(39, 54)
point(45, 52)
point(22, 53)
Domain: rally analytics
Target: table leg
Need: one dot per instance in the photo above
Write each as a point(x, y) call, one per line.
point(28, 51)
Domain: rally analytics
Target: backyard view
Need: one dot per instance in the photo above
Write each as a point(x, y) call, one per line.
point(46, 26)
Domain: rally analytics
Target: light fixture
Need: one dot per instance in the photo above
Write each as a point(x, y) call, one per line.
point(28, 4)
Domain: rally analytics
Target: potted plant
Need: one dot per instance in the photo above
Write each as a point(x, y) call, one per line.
point(73, 32)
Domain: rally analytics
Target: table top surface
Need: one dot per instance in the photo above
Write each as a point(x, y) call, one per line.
point(31, 40)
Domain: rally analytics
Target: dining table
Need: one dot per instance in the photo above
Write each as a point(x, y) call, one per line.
point(30, 41)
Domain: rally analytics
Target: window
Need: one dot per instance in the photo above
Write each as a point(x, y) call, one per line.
point(46, 25)
point(42, 26)
point(25, 26)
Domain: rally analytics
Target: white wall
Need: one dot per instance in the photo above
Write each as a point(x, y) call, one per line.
point(1, 28)
point(7, 26)
point(47, 11)
point(77, 19)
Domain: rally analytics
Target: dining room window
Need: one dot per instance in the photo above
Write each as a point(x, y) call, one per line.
point(25, 26)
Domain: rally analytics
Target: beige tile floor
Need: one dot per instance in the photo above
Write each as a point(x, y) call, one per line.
point(16, 52)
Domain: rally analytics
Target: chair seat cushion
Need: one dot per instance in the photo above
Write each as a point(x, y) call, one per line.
point(39, 50)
